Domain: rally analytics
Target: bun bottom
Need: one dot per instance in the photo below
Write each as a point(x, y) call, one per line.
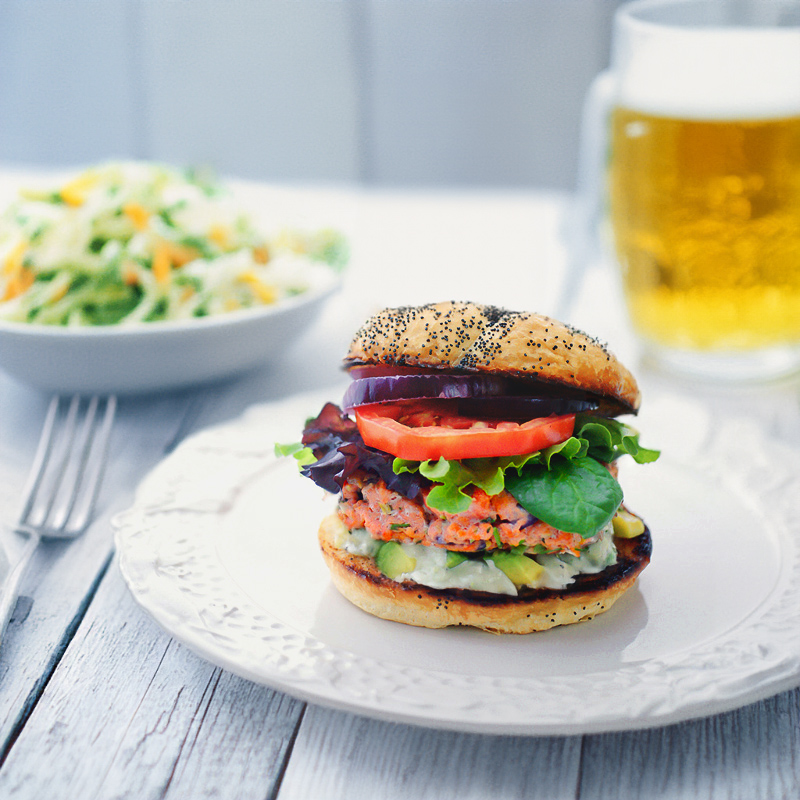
point(360, 581)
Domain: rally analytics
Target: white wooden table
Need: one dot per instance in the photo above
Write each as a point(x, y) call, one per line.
point(96, 701)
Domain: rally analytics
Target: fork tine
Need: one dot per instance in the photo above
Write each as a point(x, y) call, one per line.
point(40, 460)
point(73, 474)
point(55, 467)
point(94, 468)
point(68, 467)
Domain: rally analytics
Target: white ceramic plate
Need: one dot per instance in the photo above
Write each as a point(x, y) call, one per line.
point(220, 548)
point(160, 355)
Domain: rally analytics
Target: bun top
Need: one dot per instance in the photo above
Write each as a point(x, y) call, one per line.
point(469, 338)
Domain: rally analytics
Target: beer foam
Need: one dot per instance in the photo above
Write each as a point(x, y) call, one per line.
point(715, 73)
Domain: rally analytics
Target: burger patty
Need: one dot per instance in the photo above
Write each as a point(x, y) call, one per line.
point(490, 522)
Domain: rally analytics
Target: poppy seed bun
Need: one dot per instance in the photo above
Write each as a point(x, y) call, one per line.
point(362, 583)
point(468, 337)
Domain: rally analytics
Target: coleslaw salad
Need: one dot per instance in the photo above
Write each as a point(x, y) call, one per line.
point(127, 243)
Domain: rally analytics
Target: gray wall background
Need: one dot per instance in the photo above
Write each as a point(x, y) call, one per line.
point(382, 92)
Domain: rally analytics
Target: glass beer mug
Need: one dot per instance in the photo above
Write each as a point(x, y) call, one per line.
point(702, 185)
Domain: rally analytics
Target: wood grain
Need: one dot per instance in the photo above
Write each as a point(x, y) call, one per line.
point(62, 576)
point(110, 730)
point(749, 753)
point(338, 755)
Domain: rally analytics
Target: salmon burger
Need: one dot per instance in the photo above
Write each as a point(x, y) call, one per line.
point(474, 456)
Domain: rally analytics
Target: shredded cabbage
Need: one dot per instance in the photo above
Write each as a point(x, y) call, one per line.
point(127, 242)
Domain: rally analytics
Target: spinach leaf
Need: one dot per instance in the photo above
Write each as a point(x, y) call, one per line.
point(577, 495)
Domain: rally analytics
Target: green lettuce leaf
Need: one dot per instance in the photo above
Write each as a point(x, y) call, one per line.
point(453, 478)
point(608, 439)
point(303, 455)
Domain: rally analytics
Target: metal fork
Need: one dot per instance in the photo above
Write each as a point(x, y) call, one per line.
point(64, 481)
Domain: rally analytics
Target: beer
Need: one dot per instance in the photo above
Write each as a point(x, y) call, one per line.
point(705, 215)
point(701, 176)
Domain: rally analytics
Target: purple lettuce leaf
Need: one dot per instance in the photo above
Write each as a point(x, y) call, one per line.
point(335, 441)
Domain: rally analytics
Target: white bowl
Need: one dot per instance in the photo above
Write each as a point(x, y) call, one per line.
point(156, 356)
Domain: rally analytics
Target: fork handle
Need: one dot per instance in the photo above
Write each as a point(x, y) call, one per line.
point(8, 598)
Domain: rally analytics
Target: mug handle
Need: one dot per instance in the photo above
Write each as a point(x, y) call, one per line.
point(583, 229)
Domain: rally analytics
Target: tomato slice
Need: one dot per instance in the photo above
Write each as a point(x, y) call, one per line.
point(422, 430)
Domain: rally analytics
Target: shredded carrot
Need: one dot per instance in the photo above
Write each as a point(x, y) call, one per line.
point(18, 283)
point(266, 294)
point(162, 264)
point(261, 254)
point(138, 215)
point(168, 255)
point(13, 261)
point(180, 254)
point(74, 193)
point(129, 274)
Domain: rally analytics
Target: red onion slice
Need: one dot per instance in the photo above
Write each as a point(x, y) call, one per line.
point(486, 396)
point(364, 391)
point(519, 409)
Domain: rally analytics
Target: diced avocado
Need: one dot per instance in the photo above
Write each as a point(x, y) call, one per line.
point(627, 525)
point(520, 570)
point(392, 560)
point(454, 559)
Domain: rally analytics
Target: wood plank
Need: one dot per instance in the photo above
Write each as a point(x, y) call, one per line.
point(746, 754)
point(339, 755)
point(62, 576)
point(241, 745)
point(157, 720)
